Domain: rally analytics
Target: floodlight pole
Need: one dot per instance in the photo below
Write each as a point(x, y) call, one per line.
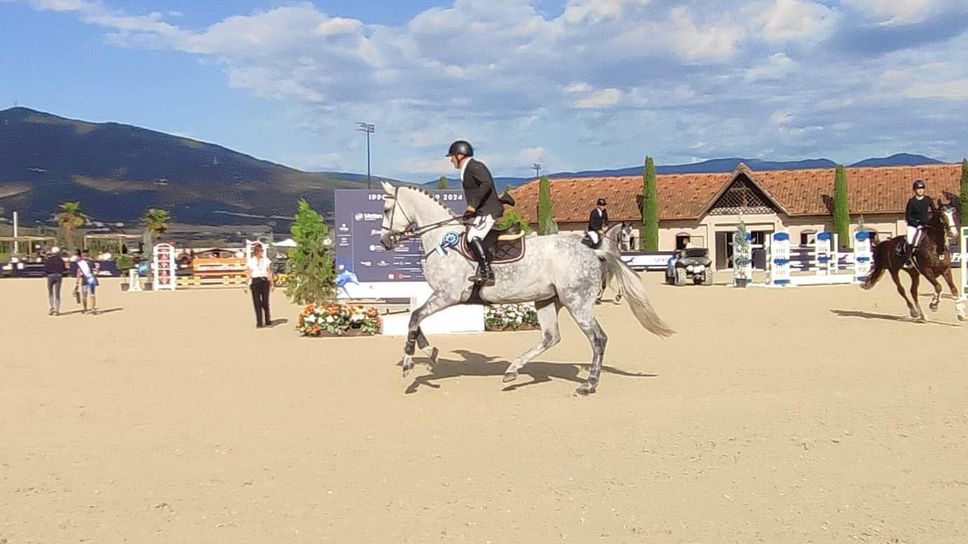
point(367, 128)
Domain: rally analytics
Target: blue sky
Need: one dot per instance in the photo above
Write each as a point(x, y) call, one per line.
point(573, 84)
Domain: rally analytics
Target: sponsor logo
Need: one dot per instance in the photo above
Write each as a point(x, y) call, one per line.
point(376, 232)
point(343, 227)
point(366, 263)
point(367, 216)
point(383, 263)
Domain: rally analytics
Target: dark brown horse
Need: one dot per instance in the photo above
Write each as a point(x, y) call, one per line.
point(932, 259)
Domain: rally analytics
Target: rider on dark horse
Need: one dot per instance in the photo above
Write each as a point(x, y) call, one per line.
point(483, 206)
point(918, 214)
point(597, 225)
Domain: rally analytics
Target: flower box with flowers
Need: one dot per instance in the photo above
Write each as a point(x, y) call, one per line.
point(338, 320)
point(510, 317)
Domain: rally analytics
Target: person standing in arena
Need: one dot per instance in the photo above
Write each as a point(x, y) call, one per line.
point(258, 275)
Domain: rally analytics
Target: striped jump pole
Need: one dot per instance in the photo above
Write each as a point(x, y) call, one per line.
point(780, 259)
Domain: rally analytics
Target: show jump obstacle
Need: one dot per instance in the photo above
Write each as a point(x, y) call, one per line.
point(964, 262)
point(824, 261)
point(164, 268)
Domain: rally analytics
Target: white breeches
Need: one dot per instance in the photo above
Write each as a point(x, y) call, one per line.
point(912, 234)
point(480, 227)
point(594, 237)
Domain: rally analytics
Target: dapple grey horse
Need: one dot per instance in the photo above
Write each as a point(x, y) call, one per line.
point(556, 271)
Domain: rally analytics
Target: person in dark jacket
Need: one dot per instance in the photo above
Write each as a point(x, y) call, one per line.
point(597, 224)
point(483, 206)
point(54, 270)
point(917, 214)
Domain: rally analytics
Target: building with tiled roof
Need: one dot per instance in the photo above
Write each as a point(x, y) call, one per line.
point(704, 209)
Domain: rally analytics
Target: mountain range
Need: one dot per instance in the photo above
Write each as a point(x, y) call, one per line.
point(117, 171)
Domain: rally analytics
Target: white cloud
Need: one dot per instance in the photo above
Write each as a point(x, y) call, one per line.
point(695, 42)
point(531, 155)
point(948, 90)
point(778, 66)
point(600, 99)
point(580, 87)
point(904, 12)
point(781, 118)
point(580, 11)
point(787, 20)
point(521, 84)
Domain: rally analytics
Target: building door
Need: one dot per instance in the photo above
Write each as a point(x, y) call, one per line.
point(724, 250)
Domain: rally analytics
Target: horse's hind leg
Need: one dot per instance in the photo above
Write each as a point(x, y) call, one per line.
point(959, 300)
point(900, 290)
point(582, 311)
point(548, 319)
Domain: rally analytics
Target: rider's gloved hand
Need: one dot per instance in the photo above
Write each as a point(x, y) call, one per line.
point(468, 214)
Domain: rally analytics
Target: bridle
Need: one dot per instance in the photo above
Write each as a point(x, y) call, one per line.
point(412, 230)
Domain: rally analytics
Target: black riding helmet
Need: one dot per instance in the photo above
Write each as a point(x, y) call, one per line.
point(601, 202)
point(460, 147)
point(919, 184)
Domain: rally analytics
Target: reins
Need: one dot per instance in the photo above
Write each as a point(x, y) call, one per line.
point(398, 235)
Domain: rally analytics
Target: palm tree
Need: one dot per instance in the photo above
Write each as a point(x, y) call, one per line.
point(156, 222)
point(70, 217)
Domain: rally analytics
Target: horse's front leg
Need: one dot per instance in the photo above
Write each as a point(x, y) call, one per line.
point(936, 299)
point(915, 281)
point(959, 299)
point(434, 304)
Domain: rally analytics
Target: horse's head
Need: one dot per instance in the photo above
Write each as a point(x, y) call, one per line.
point(395, 220)
point(946, 216)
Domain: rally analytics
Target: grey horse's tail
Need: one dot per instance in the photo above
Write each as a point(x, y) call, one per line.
point(635, 293)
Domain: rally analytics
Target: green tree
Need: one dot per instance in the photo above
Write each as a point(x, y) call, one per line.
point(156, 222)
point(310, 265)
point(650, 208)
point(841, 209)
point(963, 198)
point(546, 219)
point(70, 218)
point(442, 182)
point(512, 217)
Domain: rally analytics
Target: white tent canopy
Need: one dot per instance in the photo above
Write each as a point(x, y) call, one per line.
point(288, 242)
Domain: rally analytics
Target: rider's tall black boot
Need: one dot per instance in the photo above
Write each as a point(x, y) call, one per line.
point(485, 275)
point(908, 255)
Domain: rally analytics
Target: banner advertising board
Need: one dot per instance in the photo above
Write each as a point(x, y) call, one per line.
point(356, 235)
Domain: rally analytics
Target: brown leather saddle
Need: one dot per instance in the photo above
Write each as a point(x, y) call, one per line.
point(504, 246)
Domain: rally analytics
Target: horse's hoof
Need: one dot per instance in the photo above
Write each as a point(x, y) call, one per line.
point(962, 318)
point(407, 365)
point(934, 307)
point(584, 390)
point(618, 299)
point(509, 377)
point(433, 355)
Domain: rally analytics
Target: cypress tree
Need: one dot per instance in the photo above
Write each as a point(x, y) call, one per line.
point(442, 182)
point(841, 209)
point(546, 220)
point(650, 208)
point(964, 193)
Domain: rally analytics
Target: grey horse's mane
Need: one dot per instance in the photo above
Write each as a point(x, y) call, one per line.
point(429, 195)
